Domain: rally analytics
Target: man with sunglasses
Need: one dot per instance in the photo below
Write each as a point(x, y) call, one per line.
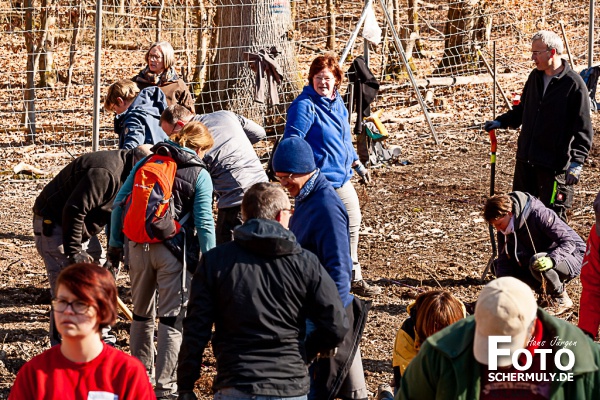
point(232, 162)
point(556, 128)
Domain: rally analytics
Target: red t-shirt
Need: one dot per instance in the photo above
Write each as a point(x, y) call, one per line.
point(113, 375)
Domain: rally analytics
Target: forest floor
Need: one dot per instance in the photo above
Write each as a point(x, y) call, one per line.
point(422, 229)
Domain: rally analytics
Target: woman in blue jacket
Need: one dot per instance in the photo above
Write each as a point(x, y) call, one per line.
point(320, 117)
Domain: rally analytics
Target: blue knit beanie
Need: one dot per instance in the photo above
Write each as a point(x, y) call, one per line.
point(295, 156)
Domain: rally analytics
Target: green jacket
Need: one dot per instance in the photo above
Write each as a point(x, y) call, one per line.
point(445, 367)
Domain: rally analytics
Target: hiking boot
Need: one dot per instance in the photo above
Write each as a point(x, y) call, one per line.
point(362, 288)
point(562, 303)
point(385, 391)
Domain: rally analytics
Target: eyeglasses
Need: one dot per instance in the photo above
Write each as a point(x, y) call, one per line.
point(324, 78)
point(178, 124)
point(78, 306)
point(154, 58)
point(537, 53)
point(280, 178)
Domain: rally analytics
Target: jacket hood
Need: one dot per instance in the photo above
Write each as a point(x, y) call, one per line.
point(266, 237)
point(521, 207)
point(151, 100)
point(181, 155)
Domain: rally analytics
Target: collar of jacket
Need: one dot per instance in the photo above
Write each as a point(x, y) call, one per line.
point(456, 342)
point(266, 237)
point(521, 207)
point(323, 101)
point(566, 69)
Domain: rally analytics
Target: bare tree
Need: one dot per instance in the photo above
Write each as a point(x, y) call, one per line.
point(248, 26)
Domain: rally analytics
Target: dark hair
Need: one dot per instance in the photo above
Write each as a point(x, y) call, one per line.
point(322, 62)
point(497, 206)
point(264, 200)
point(436, 310)
point(174, 113)
point(94, 285)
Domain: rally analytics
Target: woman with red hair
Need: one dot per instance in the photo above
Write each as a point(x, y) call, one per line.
point(83, 366)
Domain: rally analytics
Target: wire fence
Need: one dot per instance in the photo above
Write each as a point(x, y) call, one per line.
point(47, 57)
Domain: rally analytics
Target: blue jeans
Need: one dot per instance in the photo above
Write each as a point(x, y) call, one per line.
point(234, 394)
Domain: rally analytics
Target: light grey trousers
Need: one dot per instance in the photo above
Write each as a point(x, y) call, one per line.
point(348, 195)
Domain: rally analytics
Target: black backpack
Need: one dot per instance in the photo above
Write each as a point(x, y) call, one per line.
point(590, 77)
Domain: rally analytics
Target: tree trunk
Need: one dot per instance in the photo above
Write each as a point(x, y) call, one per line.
point(413, 26)
point(249, 26)
point(45, 47)
point(203, 20)
point(462, 32)
point(330, 25)
point(29, 103)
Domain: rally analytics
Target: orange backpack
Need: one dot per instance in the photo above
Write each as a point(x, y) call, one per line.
point(148, 209)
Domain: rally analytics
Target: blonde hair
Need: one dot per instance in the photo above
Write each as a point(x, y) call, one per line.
point(436, 310)
point(167, 52)
point(194, 135)
point(125, 89)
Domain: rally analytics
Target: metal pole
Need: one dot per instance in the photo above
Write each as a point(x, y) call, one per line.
point(352, 39)
point(97, 59)
point(408, 70)
point(366, 46)
point(591, 36)
point(494, 85)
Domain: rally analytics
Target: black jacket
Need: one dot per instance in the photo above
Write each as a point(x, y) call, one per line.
point(537, 229)
point(556, 128)
point(80, 197)
point(258, 291)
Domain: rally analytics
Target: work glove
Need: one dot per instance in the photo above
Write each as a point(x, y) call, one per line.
point(542, 264)
point(114, 257)
point(489, 125)
point(362, 171)
point(187, 396)
point(573, 173)
point(81, 257)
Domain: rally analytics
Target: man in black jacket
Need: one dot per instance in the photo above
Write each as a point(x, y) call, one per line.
point(258, 290)
point(556, 128)
point(74, 207)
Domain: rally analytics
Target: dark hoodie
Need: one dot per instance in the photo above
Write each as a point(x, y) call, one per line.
point(538, 229)
point(139, 124)
point(258, 291)
point(80, 197)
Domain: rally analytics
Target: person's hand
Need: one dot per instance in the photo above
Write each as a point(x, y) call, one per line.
point(114, 257)
point(543, 264)
point(81, 257)
point(187, 396)
point(573, 173)
point(362, 171)
point(489, 125)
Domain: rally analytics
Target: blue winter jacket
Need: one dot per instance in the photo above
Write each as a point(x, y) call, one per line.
point(139, 124)
point(320, 223)
point(323, 123)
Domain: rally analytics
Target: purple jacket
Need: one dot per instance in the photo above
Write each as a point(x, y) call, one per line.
point(538, 229)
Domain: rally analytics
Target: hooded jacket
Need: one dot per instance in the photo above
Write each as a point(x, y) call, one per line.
point(320, 222)
point(80, 197)
point(323, 123)
point(258, 291)
point(445, 367)
point(232, 162)
point(537, 229)
point(139, 124)
point(556, 128)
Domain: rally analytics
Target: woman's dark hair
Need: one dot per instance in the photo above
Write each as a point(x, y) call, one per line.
point(94, 285)
point(436, 310)
point(322, 62)
point(497, 206)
